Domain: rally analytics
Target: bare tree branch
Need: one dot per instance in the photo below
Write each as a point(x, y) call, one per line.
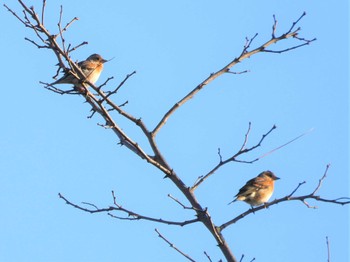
point(242, 257)
point(244, 55)
point(205, 253)
point(328, 250)
point(131, 215)
point(177, 201)
point(174, 247)
point(242, 150)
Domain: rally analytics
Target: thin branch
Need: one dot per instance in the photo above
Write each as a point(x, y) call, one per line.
point(307, 42)
point(296, 22)
point(328, 250)
point(237, 73)
point(131, 215)
point(15, 15)
point(124, 104)
point(173, 246)
point(34, 43)
point(105, 82)
point(77, 46)
point(242, 257)
point(244, 55)
point(60, 30)
point(246, 136)
point(70, 23)
point(89, 204)
point(274, 26)
point(296, 189)
point(43, 11)
point(117, 88)
point(178, 201)
point(321, 180)
point(208, 257)
point(242, 150)
point(248, 42)
point(219, 154)
point(54, 89)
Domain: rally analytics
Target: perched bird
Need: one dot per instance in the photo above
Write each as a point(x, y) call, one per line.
point(91, 67)
point(257, 190)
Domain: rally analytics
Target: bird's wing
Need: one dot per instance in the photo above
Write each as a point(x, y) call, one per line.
point(253, 185)
point(86, 65)
point(259, 183)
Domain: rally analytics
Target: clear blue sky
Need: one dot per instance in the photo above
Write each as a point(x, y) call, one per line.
point(49, 146)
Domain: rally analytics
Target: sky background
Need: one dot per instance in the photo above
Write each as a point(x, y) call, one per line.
point(48, 146)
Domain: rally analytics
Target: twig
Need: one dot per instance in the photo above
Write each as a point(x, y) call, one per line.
point(307, 42)
point(117, 88)
point(43, 11)
point(296, 189)
point(60, 30)
point(105, 82)
point(58, 90)
point(15, 15)
point(34, 43)
point(70, 23)
point(246, 137)
point(208, 257)
point(124, 104)
point(321, 180)
point(274, 26)
point(77, 46)
point(296, 22)
point(328, 250)
point(173, 246)
point(177, 201)
point(237, 73)
point(89, 204)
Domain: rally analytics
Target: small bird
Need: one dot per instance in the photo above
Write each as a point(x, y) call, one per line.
point(257, 190)
point(91, 67)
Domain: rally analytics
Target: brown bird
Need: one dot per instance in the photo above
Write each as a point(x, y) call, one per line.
point(91, 67)
point(257, 190)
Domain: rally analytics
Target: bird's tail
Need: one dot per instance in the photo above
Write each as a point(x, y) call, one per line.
point(234, 200)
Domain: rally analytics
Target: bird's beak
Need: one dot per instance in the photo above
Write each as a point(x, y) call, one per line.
point(276, 178)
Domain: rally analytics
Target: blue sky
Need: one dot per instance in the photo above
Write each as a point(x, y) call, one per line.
point(48, 146)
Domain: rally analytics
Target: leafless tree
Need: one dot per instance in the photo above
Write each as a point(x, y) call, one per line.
point(100, 98)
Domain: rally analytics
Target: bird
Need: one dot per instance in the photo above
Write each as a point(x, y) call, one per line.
point(91, 67)
point(257, 190)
